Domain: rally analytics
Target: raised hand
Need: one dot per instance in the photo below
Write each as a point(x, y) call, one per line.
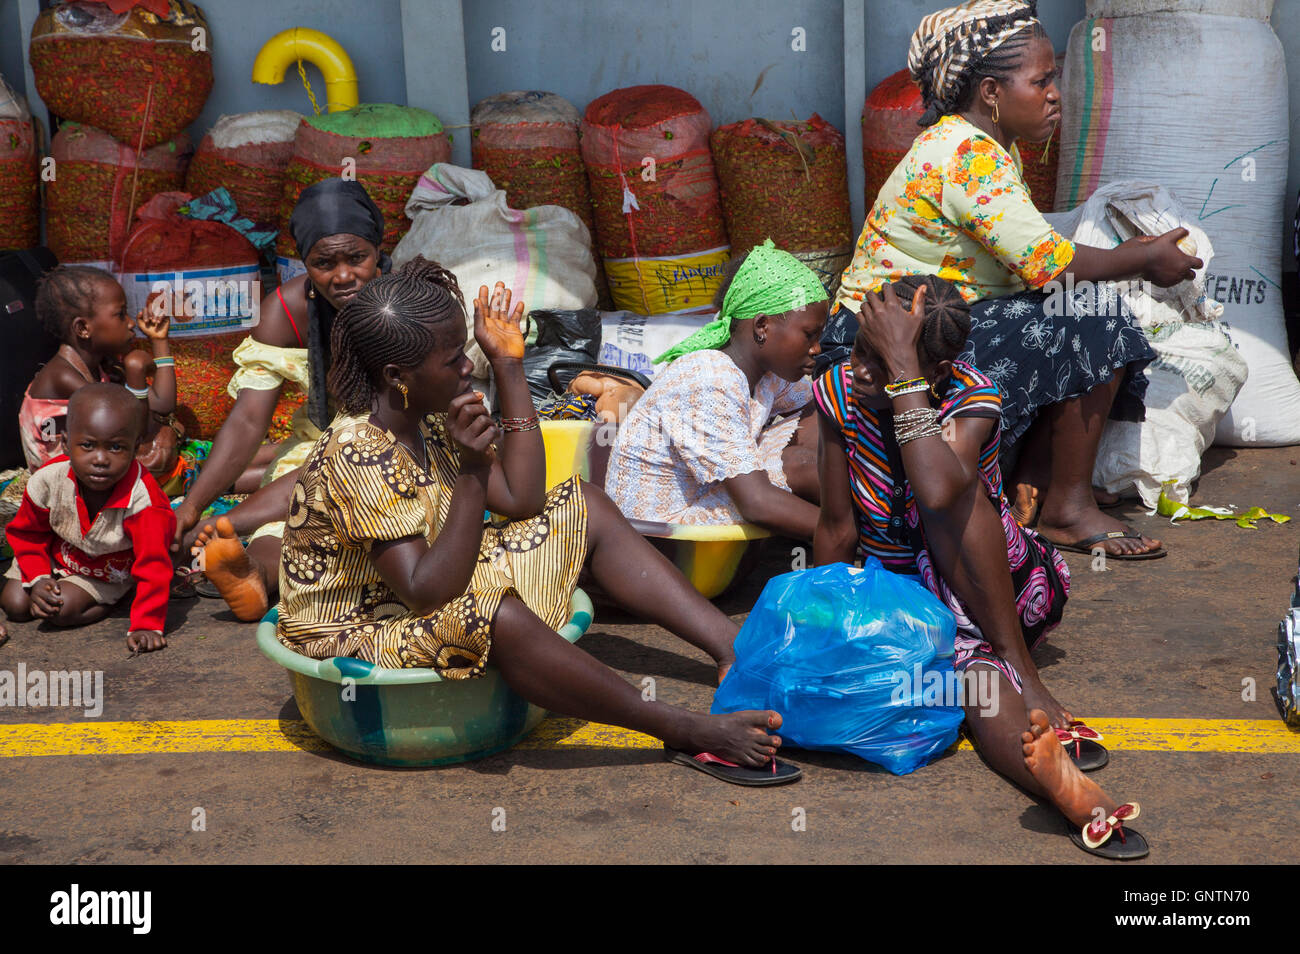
point(892, 331)
point(497, 329)
point(153, 319)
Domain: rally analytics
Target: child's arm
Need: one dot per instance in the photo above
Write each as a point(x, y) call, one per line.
point(29, 535)
point(155, 324)
point(151, 531)
point(836, 537)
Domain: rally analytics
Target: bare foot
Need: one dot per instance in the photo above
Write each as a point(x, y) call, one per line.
point(4, 638)
point(1036, 696)
point(740, 737)
point(237, 578)
point(145, 641)
point(723, 667)
point(1068, 789)
point(1089, 523)
point(1025, 505)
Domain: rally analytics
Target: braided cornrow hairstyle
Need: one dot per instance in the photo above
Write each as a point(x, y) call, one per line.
point(65, 293)
point(999, 63)
point(395, 319)
point(947, 317)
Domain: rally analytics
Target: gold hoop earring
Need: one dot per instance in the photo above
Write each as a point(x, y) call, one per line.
point(995, 112)
point(406, 403)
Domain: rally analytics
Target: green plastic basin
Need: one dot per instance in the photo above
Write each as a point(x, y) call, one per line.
point(409, 716)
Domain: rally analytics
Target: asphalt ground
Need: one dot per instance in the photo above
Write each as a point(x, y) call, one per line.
point(1159, 655)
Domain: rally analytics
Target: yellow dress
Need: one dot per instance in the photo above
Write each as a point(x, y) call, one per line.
point(359, 486)
point(264, 367)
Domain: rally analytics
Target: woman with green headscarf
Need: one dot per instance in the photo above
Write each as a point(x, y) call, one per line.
point(705, 445)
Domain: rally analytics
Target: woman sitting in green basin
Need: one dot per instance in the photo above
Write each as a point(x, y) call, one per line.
point(388, 557)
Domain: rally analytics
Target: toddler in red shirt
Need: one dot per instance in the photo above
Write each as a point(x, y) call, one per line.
point(93, 524)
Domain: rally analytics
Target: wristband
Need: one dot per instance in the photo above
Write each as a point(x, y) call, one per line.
point(166, 361)
point(516, 424)
point(909, 386)
point(141, 393)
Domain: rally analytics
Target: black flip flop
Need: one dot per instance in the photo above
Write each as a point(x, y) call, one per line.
point(1091, 756)
point(1131, 848)
point(1087, 546)
point(775, 773)
point(204, 587)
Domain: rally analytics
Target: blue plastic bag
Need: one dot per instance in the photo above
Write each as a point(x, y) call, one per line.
point(845, 655)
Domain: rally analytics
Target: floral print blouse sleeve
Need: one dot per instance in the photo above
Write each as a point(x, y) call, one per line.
point(985, 195)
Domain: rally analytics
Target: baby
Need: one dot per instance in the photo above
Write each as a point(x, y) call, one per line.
point(85, 308)
point(92, 524)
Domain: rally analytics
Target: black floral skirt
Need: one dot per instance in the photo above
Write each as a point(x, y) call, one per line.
point(1041, 349)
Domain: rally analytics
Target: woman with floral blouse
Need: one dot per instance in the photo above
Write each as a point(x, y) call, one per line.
point(1046, 324)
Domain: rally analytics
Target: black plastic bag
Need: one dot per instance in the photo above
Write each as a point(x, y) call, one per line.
point(837, 340)
point(561, 336)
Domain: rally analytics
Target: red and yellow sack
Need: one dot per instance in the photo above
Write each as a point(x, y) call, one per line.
point(140, 77)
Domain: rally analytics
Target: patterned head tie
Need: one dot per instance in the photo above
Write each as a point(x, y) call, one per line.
point(949, 44)
point(768, 282)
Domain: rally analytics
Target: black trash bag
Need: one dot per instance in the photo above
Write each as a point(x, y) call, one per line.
point(561, 336)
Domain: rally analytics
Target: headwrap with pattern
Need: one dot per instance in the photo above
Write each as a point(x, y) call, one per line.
point(769, 282)
point(950, 43)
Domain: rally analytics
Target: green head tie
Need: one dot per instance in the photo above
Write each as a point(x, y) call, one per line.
point(769, 282)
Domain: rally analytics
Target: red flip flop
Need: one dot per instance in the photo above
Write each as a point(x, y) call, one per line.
point(775, 773)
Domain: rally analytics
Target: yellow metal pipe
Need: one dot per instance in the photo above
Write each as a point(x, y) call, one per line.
point(320, 49)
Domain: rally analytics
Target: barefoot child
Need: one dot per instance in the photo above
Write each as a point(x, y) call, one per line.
point(92, 525)
point(909, 472)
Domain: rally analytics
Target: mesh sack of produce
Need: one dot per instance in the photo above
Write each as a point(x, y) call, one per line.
point(889, 125)
point(659, 225)
point(20, 210)
point(141, 74)
point(97, 187)
point(527, 143)
point(383, 146)
point(788, 181)
point(1126, 118)
point(247, 154)
point(210, 278)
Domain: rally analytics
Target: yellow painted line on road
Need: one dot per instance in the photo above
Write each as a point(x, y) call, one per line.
point(1231, 736)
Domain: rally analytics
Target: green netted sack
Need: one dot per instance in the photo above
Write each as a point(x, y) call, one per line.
point(388, 146)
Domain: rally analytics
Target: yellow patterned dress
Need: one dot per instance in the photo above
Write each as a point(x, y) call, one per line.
point(360, 486)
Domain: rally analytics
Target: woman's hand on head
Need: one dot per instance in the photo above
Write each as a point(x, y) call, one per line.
point(893, 331)
point(472, 428)
point(1167, 264)
point(497, 329)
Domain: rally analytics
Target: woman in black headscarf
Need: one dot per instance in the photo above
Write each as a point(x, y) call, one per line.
point(338, 230)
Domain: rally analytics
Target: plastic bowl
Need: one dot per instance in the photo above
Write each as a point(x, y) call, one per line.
point(410, 716)
point(712, 558)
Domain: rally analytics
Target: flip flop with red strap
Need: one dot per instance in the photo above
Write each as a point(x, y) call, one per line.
point(1096, 837)
point(1081, 745)
point(774, 773)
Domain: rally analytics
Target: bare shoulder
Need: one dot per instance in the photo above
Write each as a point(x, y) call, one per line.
point(274, 326)
point(57, 381)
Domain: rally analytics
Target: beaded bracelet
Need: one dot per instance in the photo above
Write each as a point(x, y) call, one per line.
point(141, 393)
point(911, 384)
point(916, 423)
point(515, 424)
point(166, 361)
